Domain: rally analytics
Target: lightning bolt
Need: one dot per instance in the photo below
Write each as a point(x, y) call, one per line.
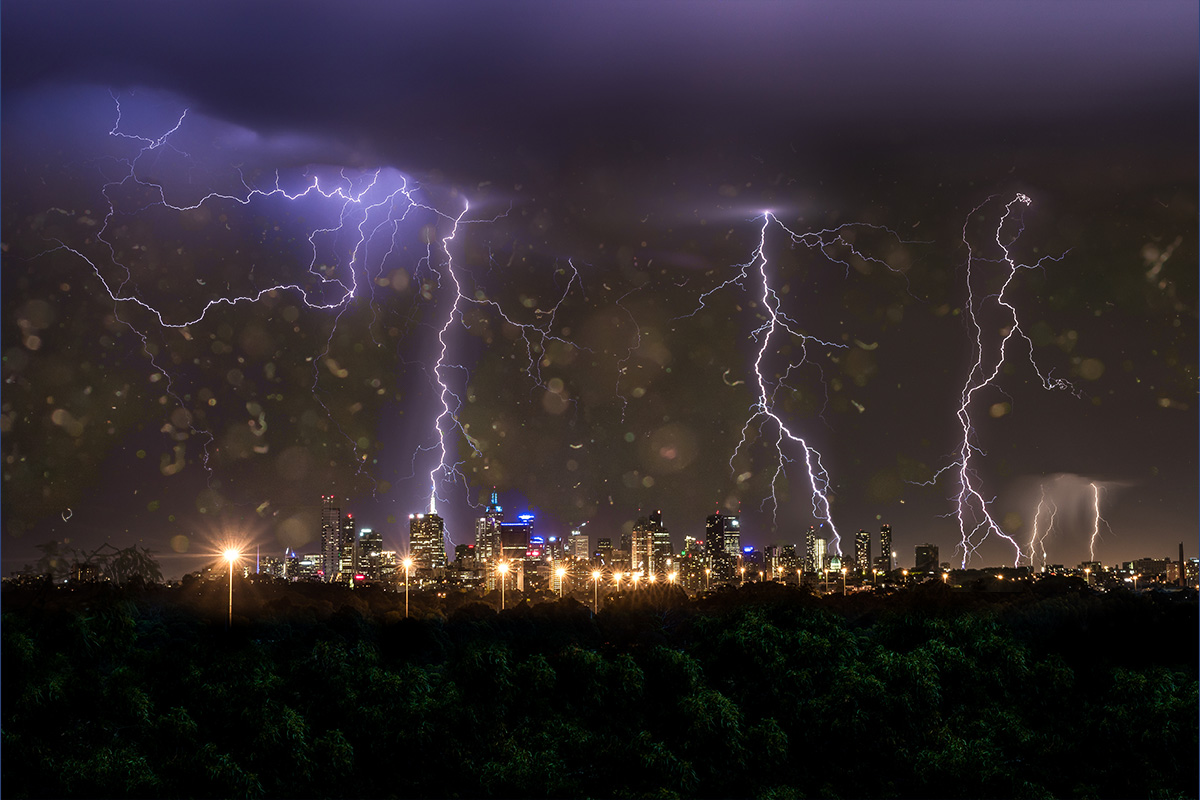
point(1037, 537)
point(367, 211)
point(972, 508)
point(787, 446)
point(1096, 522)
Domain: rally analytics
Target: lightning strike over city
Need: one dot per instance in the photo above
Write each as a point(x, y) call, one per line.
point(553, 383)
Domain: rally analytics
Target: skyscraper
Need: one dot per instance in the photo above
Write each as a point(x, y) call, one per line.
point(862, 551)
point(426, 541)
point(581, 545)
point(650, 544)
point(331, 534)
point(369, 554)
point(345, 547)
point(885, 546)
point(487, 531)
point(722, 536)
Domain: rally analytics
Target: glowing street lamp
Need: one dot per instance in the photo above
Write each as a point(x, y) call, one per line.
point(634, 577)
point(844, 571)
point(671, 577)
point(743, 571)
point(1087, 575)
point(1135, 577)
point(799, 580)
point(561, 572)
point(595, 591)
point(707, 575)
point(946, 578)
point(231, 556)
point(408, 562)
point(502, 568)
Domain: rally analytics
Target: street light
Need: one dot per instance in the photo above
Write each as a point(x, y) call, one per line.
point(407, 569)
point(634, 577)
point(844, 570)
point(502, 568)
point(799, 580)
point(1087, 575)
point(595, 591)
point(1135, 577)
point(231, 556)
point(743, 571)
point(671, 577)
point(707, 574)
point(561, 573)
point(946, 578)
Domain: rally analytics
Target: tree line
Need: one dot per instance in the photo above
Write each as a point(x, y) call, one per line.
point(763, 691)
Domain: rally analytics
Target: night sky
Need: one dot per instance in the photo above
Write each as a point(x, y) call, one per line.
point(619, 158)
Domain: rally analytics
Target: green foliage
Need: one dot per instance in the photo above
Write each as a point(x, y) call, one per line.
point(143, 695)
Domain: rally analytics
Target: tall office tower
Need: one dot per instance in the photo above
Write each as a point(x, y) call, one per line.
point(370, 550)
point(426, 541)
point(660, 542)
point(331, 534)
point(346, 554)
point(487, 531)
point(810, 545)
point(862, 552)
point(789, 560)
point(649, 544)
point(581, 545)
point(885, 546)
point(604, 552)
point(771, 560)
point(723, 539)
point(817, 555)
point(927, 558)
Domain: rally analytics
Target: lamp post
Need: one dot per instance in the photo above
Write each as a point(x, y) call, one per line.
point(617, 580)
point(561, 572)
point(231, 556)
point(707, 575)
point(827, 580)
point(595, 591)
point(904, 572)
point(1135, 577)
point(502, 568)
point(1087, 575)
point(799, 579)
point(671, 578)
point(844, 570)
point(407, 569)
point(946, 578)
point(743, 571)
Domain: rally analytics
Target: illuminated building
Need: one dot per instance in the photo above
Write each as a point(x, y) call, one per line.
point(862, 551)
point(604, 552)
point(722, 534)
point(516, 538)
point(885, 547)
point(487, 531)
point(331, 534)
point(345, 550)
point(369, 554)
point(788, 560)
point(650, 544)
point(581, 546)
point(426, 541)
point(814, 551)
point(927, 558)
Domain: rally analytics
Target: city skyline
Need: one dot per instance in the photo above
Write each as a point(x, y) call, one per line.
point(712, 294)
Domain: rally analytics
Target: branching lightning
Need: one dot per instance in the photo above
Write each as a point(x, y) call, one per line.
point(777, 327)
point(1037, 540)
point(369, 209)
point(972, 508)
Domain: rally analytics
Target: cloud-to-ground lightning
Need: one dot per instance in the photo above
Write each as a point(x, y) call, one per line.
point(972, 507)
point(356, 236)
point(1096, 522)
point(787, 446)
point(1037, 539)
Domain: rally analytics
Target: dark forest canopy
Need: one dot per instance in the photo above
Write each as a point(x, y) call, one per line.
point(764, 691)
